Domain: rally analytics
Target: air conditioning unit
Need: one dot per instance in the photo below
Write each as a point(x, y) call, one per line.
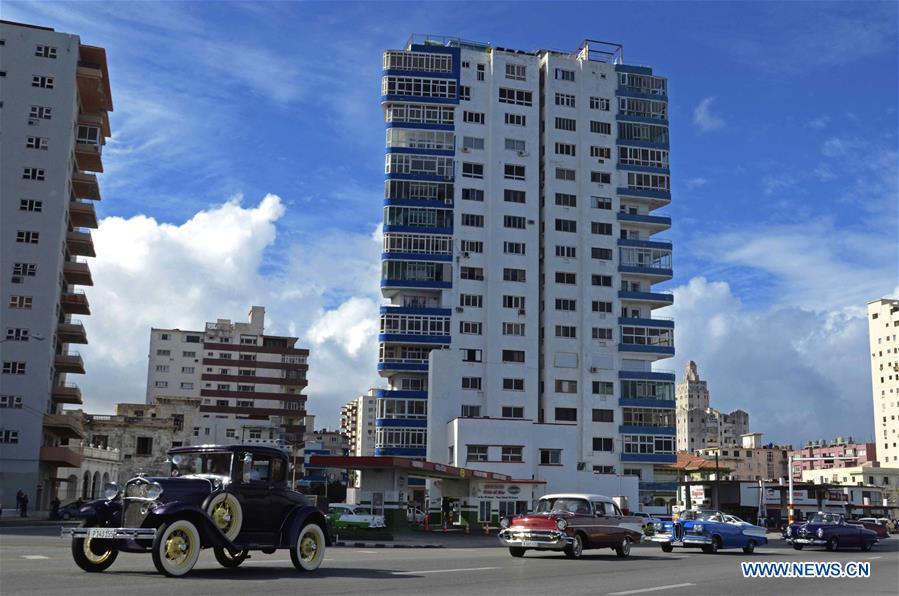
point(593, 369)
point(521, 311)
point(466, 254)
point(522, 154)
point(466, 150)
point(447, 201)
point(531, 222)
point(460, 309)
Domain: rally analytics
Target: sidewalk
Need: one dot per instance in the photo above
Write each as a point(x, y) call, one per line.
point(39, 518)
point(410, 538)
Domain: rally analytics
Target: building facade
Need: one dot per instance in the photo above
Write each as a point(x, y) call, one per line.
point(99, 465)
point(750, 460)
point(883, 328)
point(55, 97)
point(870, 474)
point(856, 454)
point(250, 383)
point(698, 424)
point(519, 257)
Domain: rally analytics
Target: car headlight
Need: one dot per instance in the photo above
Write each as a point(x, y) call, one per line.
point(154, 490)
point(110, 490)
point(657, 525)
point(820, 532)
point(697, 527)
point(505, 522)
point(562, 524)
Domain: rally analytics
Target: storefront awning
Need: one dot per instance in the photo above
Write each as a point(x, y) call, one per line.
point(415, 467)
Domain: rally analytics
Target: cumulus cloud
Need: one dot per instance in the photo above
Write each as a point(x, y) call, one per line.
point(697, 182)
point(214, 265)
point(819, 122)
point(704, 118)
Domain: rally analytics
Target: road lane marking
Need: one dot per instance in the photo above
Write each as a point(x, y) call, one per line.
point(33, 557)
point(445, 571)
point(650, 589)
point(367, 552)
point(872, 558)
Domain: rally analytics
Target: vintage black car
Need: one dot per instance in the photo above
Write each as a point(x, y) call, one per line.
point(831, 531)
point(234, 499)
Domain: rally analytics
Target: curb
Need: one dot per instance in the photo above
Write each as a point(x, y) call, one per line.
point(347, 543)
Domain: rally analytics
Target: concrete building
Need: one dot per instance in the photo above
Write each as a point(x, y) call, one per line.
point(357, 422)
point(884, 478)
point(750, 460)
point(860, 454)
point(883, 328)
point(519, 263)
point(55, 97)
point(99, 465)
point(698, 424)
point(250, 383)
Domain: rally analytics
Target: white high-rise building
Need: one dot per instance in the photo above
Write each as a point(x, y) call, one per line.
point(883, 328)
point(54, 102)
point(251, 384)
point(519, 262)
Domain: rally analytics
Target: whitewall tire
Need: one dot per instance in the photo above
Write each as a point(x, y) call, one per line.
point(309, 551)
point(176, 548)
point(227, 514)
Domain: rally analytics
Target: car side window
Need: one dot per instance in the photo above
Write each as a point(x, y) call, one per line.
point(278, 470)
point(259, 470)
point(613, 509)
point(598, 507)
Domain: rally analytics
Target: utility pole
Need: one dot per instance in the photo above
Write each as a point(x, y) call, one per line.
point(716, 503)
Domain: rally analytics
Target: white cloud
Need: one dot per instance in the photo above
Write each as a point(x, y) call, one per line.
point(773, 183)
point(703, 117)
point(819, 122)
point(214, 265)
point(697, 182)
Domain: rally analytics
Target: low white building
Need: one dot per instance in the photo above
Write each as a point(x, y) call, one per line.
point(99, 464)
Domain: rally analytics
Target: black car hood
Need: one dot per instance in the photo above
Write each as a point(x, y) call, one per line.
point(180, 489)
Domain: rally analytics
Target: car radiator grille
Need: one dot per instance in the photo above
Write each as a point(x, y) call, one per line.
point(134, 514)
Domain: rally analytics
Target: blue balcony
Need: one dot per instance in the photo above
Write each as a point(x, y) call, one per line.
point(415, 256)
point(400, 394)
point(643, 349)
point(426, 203)
point(644, 193)
point(417, 230)
point(665, 404)
point(407, 338)
point(402, 451)
point(648, 169)
point(645, 243)
point(639, 322)
point(402, 422)
point(639, 375)
point(653, 271)
point(420, 99)
point(409, 310)
point(392, 366)
point(419, 125)
point(661, 221)
point(650, 458)
point(642, 119)
point(398, 72)
point(656, 298)
point(625, 91)
point(416, 283)
point(646, 430)
point(658, 144)
point(634, 69)
point(412, 151)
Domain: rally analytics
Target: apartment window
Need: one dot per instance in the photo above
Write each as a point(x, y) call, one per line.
point(16, 334)
point(603, 128)
point(473, 273)
point(515, 222)
point(513, 196)
point(248, 388)
point(566, 252)
point(566, 225)
point(600, 103)
point(513, 248)
point(566, 331)
point(566, 386)
point(513, 329)
point(601, 152)
point(603, 469)
point(187, 385)
point(564, 75)
point(513, 385)
point(563, 277)
point(476, 453)
point(604, 229)
point(473, 143)
point(13, 367)
point(162, 368)
point(194, 355)
point(10, 437)
point(469, 411)
point(473, 117)
point(510, 274)
point(471, 355)
point(36, 143)
point(42, 82)
point(566, 123)
point(563, 99)
point(602, 333)
point(513, 301)
point(187, 370)
point(471, 383)
point(464, 93)
point(42, 51)
point(602, 280)
point(161, 384)
point(516, 119)
point(603, 444)
point(164, 352)
point(603, 388)
point(31, 205)
point(516, 145)
point(601, 202)
point(481, 72)
point(11, 401)
point(144, 446)
point(472, 220)
point(466, 64)
point(515, 96)
point(566, 149)
point(472, 300)
point(550, 457)
point(470, 327)
point(566, 304)
point(566, 200)
point(603, 254)
point(24, 270)
point(566, 414)
point(601, 177)
point(601, 415)
point(472, 194)
point(472, 170)
point(475, 246)
point(22, 302)
point(41, 112)
point(516, 72)
point(27, 237)
point(513, 172)
point(513, 411)
point(34, 174)
point(565, 174)
point(512, 454)
point(513, 356)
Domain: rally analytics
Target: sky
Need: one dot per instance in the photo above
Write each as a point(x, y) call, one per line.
point(246, 167)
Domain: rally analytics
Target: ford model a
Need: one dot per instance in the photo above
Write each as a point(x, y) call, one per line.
point(233, 499)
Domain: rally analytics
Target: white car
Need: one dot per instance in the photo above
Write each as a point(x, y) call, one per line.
point(414, 515)
point(354, 516)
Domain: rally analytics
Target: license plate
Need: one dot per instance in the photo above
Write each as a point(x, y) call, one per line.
point(101, 533)
point(529, 543)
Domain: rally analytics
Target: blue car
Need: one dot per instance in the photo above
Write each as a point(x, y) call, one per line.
point(710, 531)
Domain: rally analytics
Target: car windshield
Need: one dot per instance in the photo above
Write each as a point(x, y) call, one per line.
point(711, 516)
point(563, 504)
point(734, 519)
point(201, 463)
point(825, 518)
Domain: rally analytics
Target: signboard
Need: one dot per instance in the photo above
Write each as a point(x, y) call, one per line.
point(835, 495)
point(800, 497)
point(697, 493)
point(496, 490)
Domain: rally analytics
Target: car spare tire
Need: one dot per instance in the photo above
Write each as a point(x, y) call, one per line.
point(226, 513)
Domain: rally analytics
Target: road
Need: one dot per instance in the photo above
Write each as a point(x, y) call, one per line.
point(36, 561)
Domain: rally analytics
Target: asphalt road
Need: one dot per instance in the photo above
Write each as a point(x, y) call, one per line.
point(37, 561)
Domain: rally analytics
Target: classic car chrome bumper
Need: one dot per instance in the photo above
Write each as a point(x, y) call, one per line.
point(687, 539)
point(110, 533)
point(548, 539)
point(809, 541)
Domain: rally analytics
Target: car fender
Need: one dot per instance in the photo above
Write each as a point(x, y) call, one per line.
point(297, 519)
point(101, 512)
point(210, 535)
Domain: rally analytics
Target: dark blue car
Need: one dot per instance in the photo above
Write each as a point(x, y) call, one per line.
point(708, 531)
point(233, 499)
point(831, 531)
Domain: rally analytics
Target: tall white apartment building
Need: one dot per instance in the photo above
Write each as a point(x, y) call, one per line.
point(54, 102)
point(357, 422)
point(698, 424)
point(883, 328)
point(519, 262)
point(250, 383)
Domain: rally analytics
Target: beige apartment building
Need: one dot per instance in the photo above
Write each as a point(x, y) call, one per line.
point(750, 460)
point(883, 327)
point(698, 424)
point(870, 474)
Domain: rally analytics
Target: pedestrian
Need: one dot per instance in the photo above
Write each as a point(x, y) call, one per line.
point(19, 494)
point(54, 508)
point(24, 508)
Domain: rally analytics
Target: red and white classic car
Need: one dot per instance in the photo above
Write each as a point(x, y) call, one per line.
point(572, 523)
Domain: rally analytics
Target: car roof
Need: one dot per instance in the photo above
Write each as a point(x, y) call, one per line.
point(586, 496)
point(233, 448)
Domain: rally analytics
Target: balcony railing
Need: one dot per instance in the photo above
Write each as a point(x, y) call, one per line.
point(82, 214)
point(77, 272)
point(74, 303)
point(68, 393)
point(85, 186)
point(65, 426)
point(60, 456)
point(80, 243)
point(72, 332)
point(88, 156)
point(69, 363)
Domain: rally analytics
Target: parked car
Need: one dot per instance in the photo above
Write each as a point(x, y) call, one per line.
point(353, 516)
point(648, 522)
point(571, 523)
point(414, 515)
point(869, 523)
point(709, 531)
point(831, 531)
point(888, 523)
point(68, 511)
point(232, 498)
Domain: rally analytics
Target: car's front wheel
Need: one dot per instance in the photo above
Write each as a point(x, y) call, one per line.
point(228, 558)
point(797, 546)
point(866, 546)
point(308, 552)
point(833, 545)
point(712, 548)
point(749, 548)
point(516, 551)
point(176, 548)
point(667, 548)
point(624, 549)
point(576, 548)
point(89, 557)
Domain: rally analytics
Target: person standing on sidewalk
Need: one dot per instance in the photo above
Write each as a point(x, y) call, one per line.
point(24, 507)
point(19, 494)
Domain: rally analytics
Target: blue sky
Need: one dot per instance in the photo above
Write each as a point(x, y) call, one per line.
point(784, 152)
